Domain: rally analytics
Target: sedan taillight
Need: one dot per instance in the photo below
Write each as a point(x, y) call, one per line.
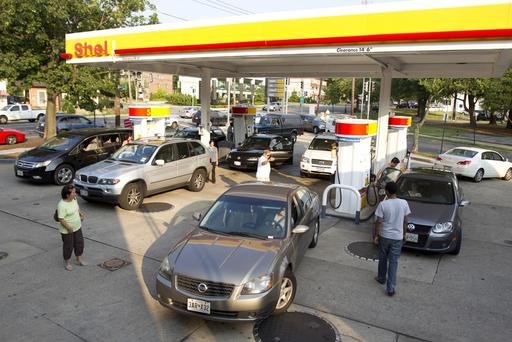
point(464, 162)
point(439, 158)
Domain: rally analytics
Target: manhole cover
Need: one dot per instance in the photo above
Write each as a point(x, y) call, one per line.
point(508, 242)
point(155, 207)
point(363, 250)
point(114, 264)
point(296, 327)
point(3, 255)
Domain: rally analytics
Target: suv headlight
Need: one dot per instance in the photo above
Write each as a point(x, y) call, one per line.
point(258, 285)
point(444, 227)
point(108, 181)
point(305, 160)
point(42, 164)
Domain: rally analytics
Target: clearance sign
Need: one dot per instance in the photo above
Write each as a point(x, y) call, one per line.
point(403, 22)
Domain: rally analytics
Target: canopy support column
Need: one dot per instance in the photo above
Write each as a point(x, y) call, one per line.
point(382, 121)
point(205, 105)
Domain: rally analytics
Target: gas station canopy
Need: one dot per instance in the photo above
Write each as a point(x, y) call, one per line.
point(457, 38)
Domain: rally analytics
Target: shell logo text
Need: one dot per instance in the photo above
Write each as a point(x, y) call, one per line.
point(85, 49)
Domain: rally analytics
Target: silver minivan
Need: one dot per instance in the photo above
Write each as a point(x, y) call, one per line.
point(144, 168)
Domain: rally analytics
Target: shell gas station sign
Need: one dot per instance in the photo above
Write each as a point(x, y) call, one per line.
point(457, 21)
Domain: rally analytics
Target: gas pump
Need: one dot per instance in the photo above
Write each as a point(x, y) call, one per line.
point(148, 121)
point(397, 139)
point(243, 123)
point(353, 166)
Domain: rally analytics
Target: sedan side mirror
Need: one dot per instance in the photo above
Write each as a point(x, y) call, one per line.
point(197, 216)
point(300, 229)
point(159, 162)
point(464, 203)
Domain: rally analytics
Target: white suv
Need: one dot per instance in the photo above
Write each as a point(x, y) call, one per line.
point(320, 157)
point(144, 168)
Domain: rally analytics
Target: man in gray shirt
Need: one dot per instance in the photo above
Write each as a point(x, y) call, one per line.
point(390, 229)
point(214, 158)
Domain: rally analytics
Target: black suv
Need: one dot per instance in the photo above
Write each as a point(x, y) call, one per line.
point(246, 155)
point(435, 198)
point(59, 157)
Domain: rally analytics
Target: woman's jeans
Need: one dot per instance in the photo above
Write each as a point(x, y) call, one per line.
point(389, 252)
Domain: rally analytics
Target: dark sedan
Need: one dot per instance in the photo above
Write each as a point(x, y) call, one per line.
point(312, 123)
point(238, 264)
point(67, 122)
point(217, 118)
point(216, 134)
point(435, 198)
point(246, 155)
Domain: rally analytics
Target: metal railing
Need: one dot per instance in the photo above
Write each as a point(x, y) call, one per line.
point(357, 214)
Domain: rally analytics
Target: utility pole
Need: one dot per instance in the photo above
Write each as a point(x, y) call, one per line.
point(362, 98)
point(369, 98)
point(318, 97)
point(353, 95)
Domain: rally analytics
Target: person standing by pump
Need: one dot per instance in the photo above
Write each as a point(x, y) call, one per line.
point(70, 219)
point(214, 158)
point(264, 169)
point(390, 229)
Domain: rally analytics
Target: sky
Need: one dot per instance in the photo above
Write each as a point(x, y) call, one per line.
point(170, 11)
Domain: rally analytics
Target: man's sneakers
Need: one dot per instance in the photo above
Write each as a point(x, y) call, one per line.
point(382, 282)
point(390, 293)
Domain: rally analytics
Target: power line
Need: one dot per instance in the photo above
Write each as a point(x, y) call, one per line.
point(232, 6)
point(172, 16)
point(219, 7)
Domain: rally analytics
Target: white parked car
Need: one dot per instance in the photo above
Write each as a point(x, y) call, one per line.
point(188, 112)
point(319, 159)
point(476, 163)
point(330, 121)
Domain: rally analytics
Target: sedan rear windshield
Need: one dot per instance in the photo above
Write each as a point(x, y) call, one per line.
point(187, 134)
point(134, 153)
point(61, 143)
point(255, 144)
point(459, 152)
point(244, 216)
point(425, 190)
point(322, 144)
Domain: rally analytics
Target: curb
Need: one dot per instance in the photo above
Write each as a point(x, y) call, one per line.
point(491, 145)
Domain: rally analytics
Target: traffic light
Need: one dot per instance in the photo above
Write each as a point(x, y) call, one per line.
point(301, 84)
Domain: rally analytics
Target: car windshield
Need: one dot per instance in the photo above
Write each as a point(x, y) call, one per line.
point(459, 152)
point(425, 190)
point(319, 144)
point(254, 143)
point(185, 134)
point(61, 143)
point(134, 153)
point(244, 216)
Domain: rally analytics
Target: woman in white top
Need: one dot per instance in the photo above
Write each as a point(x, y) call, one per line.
point(263, 172)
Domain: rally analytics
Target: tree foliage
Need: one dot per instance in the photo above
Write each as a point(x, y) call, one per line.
point(338, 90)
point(33, 36)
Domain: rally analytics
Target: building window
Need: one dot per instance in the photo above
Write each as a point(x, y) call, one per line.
point(41, 98)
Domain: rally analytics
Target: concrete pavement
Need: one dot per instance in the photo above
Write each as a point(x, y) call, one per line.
point(439, 297)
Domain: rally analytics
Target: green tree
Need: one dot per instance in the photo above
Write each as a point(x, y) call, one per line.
point(159, 94)
point(472, 90)
point(498, 98)
point(338, 90)
point(294, 97)
point(33, 36)
point(424, 92)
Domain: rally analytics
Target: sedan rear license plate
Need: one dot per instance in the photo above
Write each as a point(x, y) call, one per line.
point(19, 173)
point(198, 306)
point(84, 192)
point(237, 163)
point(411, 237)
